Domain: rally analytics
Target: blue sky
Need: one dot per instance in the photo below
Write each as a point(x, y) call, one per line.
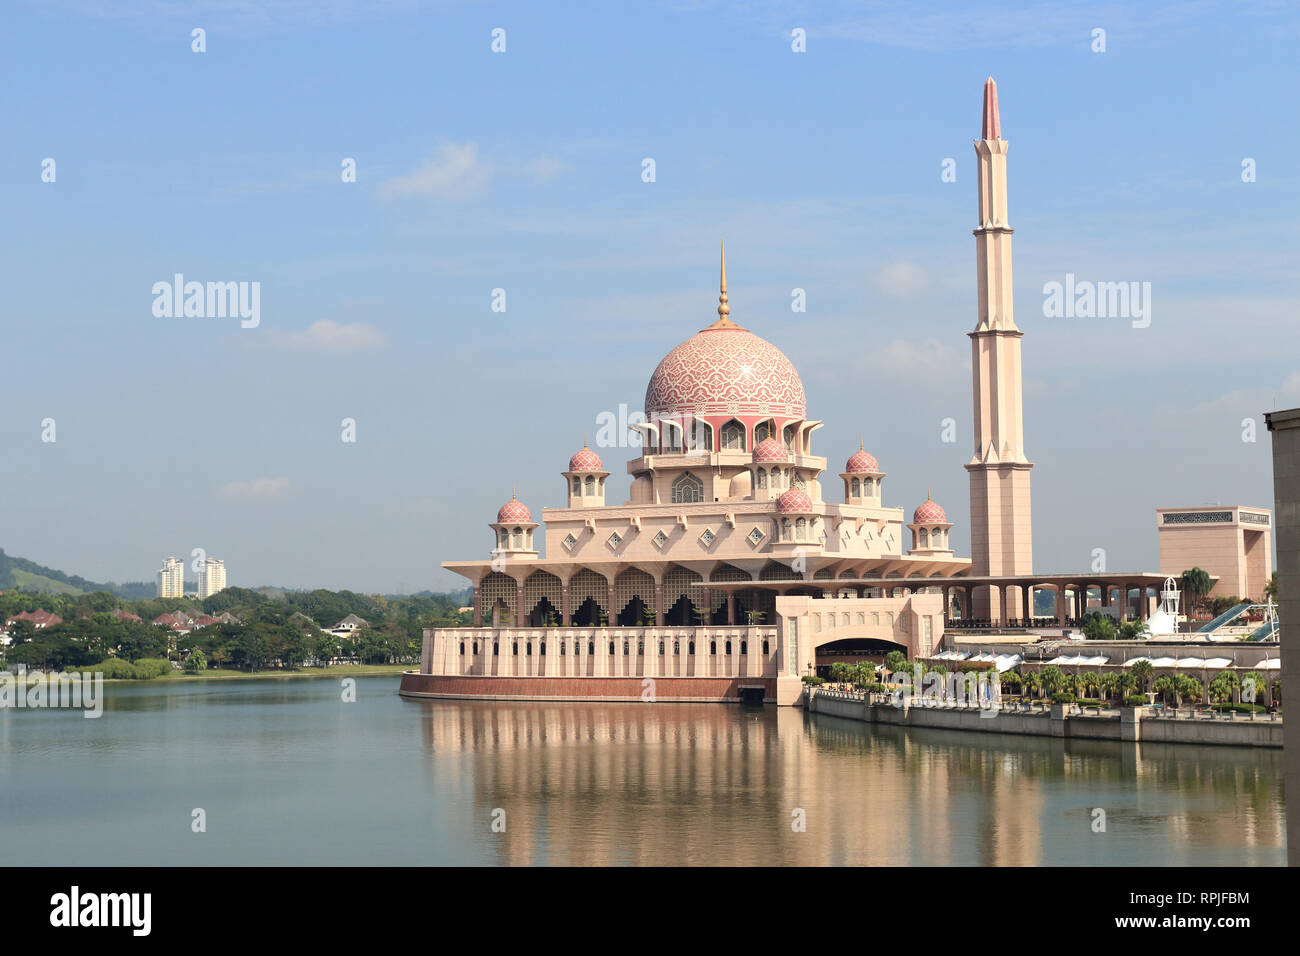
point(522, 170)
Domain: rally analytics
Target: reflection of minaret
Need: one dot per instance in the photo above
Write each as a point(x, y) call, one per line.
point(1001, 532)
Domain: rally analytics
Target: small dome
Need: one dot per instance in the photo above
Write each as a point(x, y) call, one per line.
point(929, 513)
point(794, 501)
point(862, 463)
point(769, 449)
point(585, 460)
point(514, 512)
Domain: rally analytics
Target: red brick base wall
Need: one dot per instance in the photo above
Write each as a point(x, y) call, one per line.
point(682, 689)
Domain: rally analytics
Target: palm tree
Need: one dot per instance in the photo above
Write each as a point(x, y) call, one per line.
point(1166, 687)
point(1270, 589)
point(1051, 679)
point(1143, 671)
point(1108, 684)
point(1124, 683)
point(1196, 584)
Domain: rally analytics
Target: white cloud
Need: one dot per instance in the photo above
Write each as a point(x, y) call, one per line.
point(256, 488)
point(327, 335)
point(456, 172)
point(901, 279)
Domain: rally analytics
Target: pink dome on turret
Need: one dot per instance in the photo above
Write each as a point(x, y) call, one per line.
point(929, 513)
point(794, 501)
point(769, 449)
point(514, 512)
point(862, 463)
point(585, 460)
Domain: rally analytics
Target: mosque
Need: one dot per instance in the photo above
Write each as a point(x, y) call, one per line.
point(728, 575)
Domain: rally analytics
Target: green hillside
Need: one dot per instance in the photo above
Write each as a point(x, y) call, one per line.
point(20, 574)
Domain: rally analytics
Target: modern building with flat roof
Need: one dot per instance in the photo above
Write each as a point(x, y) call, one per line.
point(1233, 543)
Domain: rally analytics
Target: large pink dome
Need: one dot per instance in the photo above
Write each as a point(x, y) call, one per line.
point(725, 370)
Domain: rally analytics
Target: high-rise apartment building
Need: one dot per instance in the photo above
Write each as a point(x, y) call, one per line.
point(171, 578)
point(212, 577)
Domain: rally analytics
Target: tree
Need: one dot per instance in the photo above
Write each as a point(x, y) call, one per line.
point(1142, 671)
point(1196, 585)
point(1098, 627)
point(1270, 589)
point(1051, 679)
point(196, 662)
point(1133, 630)
point(1166, 687)
point(895, 661)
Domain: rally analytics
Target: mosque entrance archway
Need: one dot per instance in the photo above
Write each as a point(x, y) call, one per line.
point(636, 613)
point(853, 651)
point(681, 614)
point(544, 614)
point(587, 614)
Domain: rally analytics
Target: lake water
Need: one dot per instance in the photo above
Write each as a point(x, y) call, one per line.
point(288, 773)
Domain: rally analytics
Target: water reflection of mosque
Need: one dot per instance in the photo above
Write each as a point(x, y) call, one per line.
point(697, 784)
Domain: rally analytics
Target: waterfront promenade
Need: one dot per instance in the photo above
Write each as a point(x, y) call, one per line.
point(1048, 719)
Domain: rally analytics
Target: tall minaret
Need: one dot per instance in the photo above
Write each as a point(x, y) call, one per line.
point(1001, 530)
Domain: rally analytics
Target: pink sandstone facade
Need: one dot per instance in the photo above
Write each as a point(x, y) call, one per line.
point(1232, 543)
point(727, 571)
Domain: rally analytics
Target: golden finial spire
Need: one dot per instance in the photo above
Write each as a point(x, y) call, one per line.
point(860, 448)
point(927, 493)
point(724, 310)
point(584, 441)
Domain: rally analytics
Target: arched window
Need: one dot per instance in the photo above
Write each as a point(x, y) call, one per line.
point(867, 485)
point(462, 648)
point(591, 647)
point(496, 649)
point(577, 486)
point(744, 647)
point(476, 647)
point(671, 435)
point(762, 477)
point(765, 647)
point(542, 649)
point(733, 436)
point(923, 538)
point(528, 650)
point(517, 538)
point(788, 437)
point(763, 431)
point(661, 647)
point(677, 648)
point(626, 648)
point(562, 647)
point(800, 529)
point(798, 480)
point(785, 529)
point(713, 647)
point(687, 488)
point(857, 488)
point(591, 485)
point(691, 648)
point(728, 647)
point(514, 648)
point(701, 435)
point(611, 648)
